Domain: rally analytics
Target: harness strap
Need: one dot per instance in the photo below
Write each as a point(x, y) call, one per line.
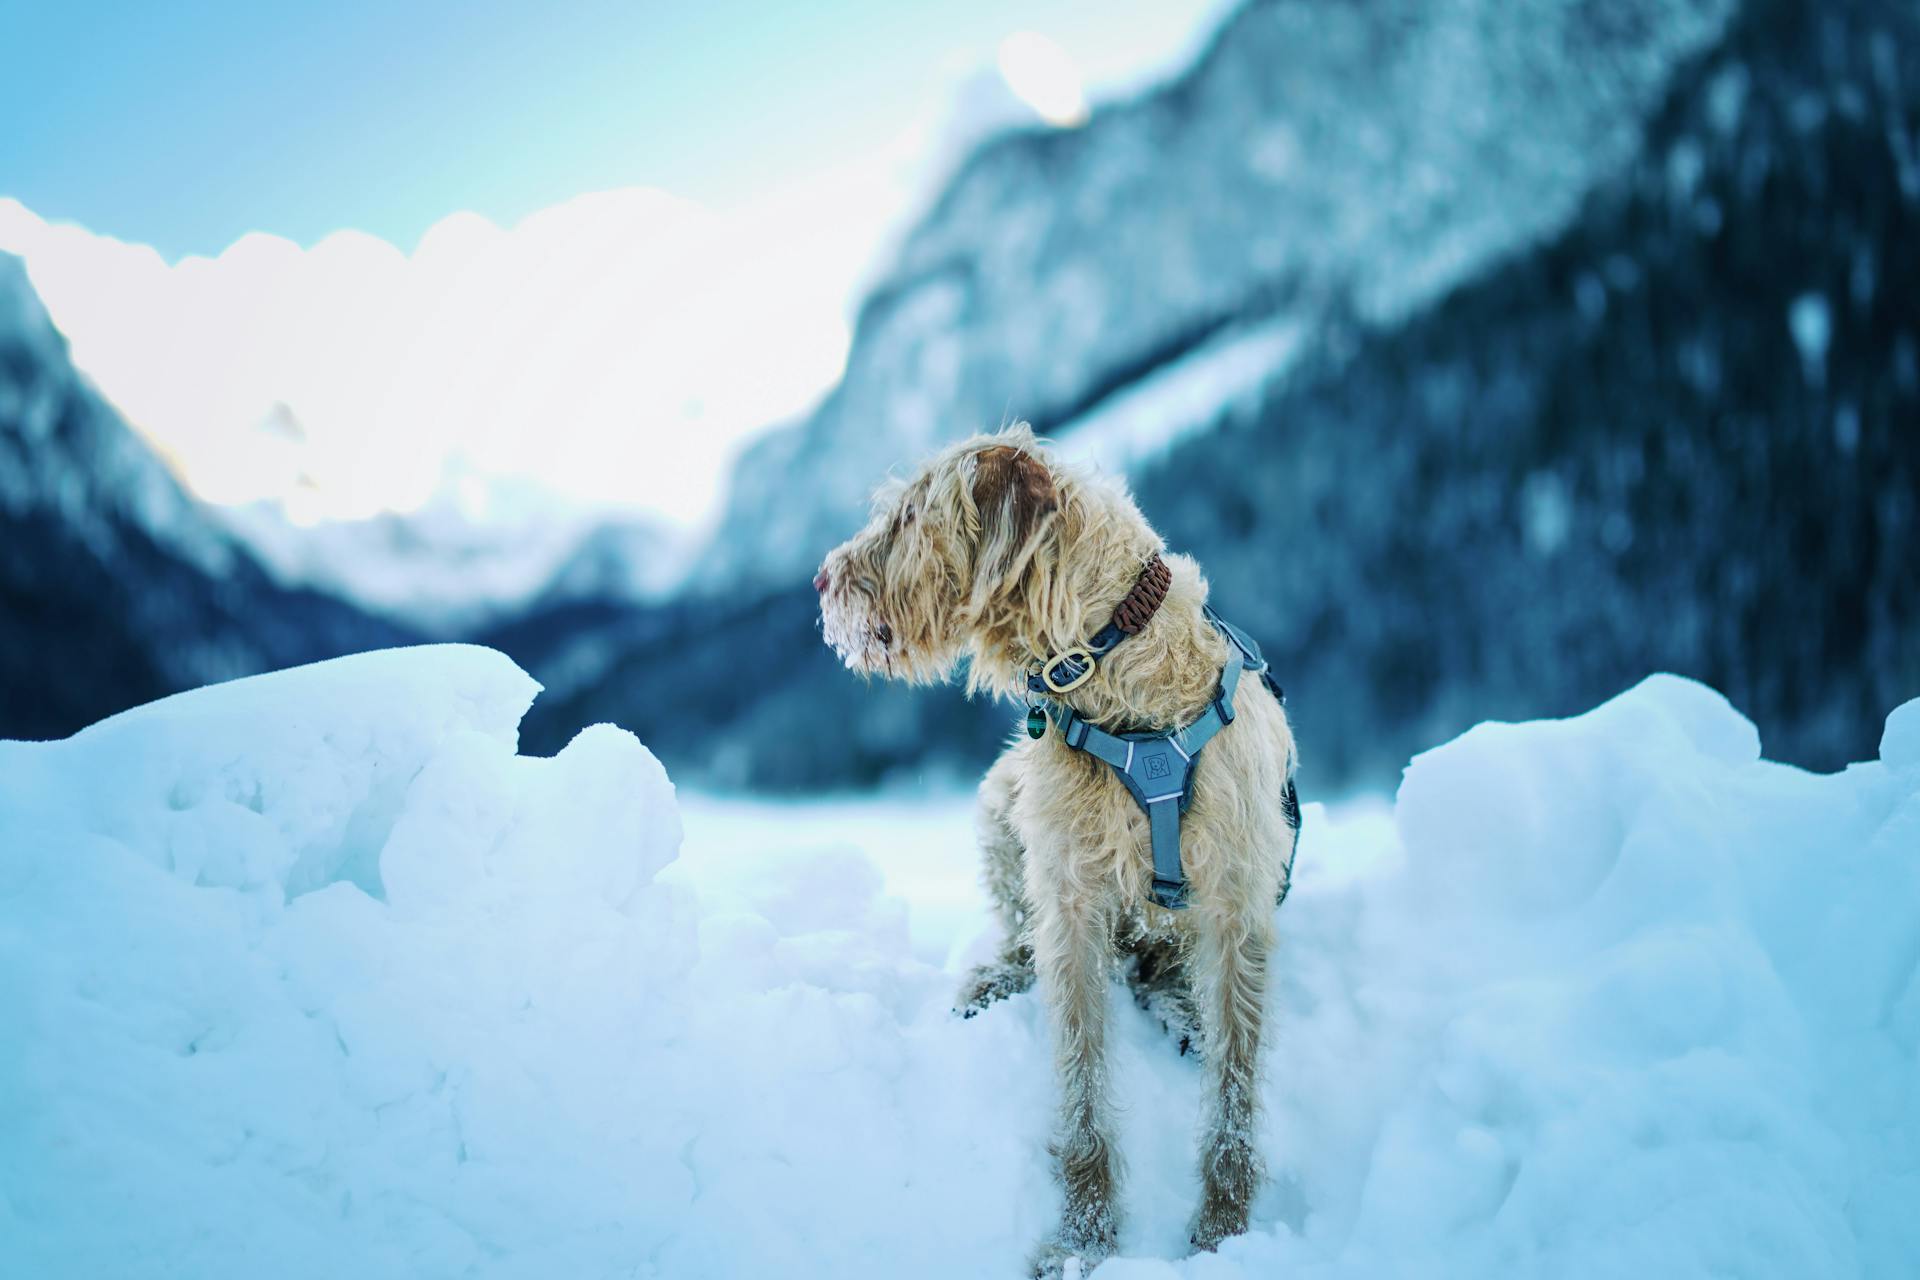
point(1157, 768)
point(1169, 887)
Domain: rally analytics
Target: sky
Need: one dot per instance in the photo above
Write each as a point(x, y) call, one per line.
point(347, 256)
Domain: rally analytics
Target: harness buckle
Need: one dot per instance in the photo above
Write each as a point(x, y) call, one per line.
point(1068, 684)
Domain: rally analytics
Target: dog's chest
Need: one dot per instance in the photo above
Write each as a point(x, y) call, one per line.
point(1077, 809)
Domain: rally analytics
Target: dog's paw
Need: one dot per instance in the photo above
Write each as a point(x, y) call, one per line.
point(1088, 1235)
point(990, 983)
point(1057, 1260)
point(1216, 1222)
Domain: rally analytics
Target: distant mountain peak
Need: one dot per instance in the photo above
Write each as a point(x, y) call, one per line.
point(1359, 157)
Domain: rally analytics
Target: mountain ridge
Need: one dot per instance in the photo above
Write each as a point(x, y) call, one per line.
point(1269, 177)
point(116, 587)
point(1607, 453)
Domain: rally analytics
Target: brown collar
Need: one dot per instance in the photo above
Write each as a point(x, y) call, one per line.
point(1065, 672)
point(1144, 600)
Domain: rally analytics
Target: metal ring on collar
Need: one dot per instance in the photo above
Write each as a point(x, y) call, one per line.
point(1075, 655)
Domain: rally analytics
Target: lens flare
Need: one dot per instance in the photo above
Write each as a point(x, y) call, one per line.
point(1040, 74)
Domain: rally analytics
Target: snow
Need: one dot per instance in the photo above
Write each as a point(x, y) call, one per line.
point(313, 975)
point(1182, 398)
point(1811, 320)
point(916, 849)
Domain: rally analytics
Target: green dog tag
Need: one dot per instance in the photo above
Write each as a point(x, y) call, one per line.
point(1036, 722)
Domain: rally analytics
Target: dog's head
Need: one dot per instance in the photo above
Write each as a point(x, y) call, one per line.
point(944, 548)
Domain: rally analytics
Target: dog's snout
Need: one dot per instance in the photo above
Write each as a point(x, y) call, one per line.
point(821, 581)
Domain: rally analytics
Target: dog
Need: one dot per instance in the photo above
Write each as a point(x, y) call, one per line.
point(996, 552)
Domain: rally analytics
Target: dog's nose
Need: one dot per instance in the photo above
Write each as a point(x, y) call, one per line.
point(820, 580)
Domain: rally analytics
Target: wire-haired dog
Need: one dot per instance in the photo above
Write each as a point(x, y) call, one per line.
point(996, 552)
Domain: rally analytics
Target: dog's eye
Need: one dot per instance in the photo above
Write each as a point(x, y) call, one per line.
point(907, 515)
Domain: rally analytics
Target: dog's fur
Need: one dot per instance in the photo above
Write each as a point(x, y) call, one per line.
point(996, 552)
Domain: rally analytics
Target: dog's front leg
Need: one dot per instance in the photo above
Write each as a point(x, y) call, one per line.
point(1072, 952)
point(1232, 946)
point(1003, 867)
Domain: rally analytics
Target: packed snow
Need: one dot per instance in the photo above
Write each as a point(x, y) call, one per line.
point(313, 975)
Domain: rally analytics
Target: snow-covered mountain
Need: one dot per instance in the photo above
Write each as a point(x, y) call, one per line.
point(115, 586)
point(1318, 156)
point(449, 569)
point(1662, 417)
point(1684, 434)
point(66, 456)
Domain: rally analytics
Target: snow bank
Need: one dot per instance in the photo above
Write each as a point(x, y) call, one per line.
point(312, 975)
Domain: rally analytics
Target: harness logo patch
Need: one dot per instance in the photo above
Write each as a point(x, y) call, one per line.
point(1157, 767)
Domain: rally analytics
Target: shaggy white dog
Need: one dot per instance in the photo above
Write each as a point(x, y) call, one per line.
point(997, 552)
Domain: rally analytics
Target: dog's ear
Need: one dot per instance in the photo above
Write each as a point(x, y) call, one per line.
point(1014, 492)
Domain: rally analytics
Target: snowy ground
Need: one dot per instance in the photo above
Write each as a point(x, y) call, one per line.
point(312, 975)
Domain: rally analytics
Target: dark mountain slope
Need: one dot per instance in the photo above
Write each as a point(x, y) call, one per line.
point(1372, 150)
point(114, 588)
point(1685, 436)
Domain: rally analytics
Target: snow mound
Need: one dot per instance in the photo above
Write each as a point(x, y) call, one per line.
point(313, 975)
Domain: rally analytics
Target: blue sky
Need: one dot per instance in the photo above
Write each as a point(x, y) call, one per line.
point(184, 125)
point(354, 258)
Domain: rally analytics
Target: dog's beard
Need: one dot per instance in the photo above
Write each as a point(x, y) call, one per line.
point(853, 630)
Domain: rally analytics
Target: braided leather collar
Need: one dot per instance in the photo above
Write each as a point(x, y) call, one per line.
point(1144, 600)
point(1065, 672)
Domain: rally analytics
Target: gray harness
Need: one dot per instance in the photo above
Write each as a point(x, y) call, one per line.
point(1157, 768)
